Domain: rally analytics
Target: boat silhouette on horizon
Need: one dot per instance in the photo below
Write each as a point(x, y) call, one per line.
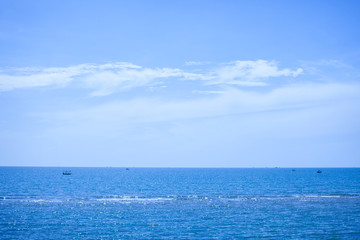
point(67, 173)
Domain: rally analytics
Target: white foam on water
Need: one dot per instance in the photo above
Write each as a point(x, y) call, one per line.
point(136, 199)
point(322, 196)
point(41, 200)
point(133, 199)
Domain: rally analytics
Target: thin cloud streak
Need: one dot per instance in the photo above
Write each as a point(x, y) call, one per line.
point(106, 79)
point(229, 102)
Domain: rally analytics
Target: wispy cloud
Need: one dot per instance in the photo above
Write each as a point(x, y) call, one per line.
point(105, 79)
point(250, 71)
point(305, 98)
point(243, 73)
point(330, 70)
point(13, 78)
point(107, 82)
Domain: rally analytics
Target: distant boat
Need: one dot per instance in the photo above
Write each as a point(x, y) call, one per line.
point(127, 169)
point(67, 173)
point(293, 170)
point(319, 171)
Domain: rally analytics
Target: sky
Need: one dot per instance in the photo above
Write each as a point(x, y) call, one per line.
point(180, 83)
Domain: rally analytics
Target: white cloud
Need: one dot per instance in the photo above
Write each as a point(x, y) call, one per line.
point(241, 72)
point(106, 82)
point(10, 82)
point(108, 78)
point(13, 78)
point(104, 78)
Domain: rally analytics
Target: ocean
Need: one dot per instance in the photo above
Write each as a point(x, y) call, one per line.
point(179, 203)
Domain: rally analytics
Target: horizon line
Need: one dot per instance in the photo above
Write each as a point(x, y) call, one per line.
point(178, 167)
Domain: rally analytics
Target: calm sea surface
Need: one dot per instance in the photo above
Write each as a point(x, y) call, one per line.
point(161, 203)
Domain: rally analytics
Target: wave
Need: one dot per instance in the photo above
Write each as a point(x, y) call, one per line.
point(161, 199)
point(133, 199)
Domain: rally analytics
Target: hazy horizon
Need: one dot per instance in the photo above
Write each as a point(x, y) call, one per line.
point(129, 167)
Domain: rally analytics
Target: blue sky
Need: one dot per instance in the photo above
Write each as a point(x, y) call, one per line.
point(180, 83)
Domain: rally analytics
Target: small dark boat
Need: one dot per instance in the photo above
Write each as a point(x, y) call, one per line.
point(319, 171)
point(67, 173)
point(293, 170)
point(127, 169)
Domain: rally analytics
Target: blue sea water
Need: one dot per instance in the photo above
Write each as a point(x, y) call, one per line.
point(175, 203)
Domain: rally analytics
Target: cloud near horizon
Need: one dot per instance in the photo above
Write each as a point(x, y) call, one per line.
point(106, 79)
point(327, 101)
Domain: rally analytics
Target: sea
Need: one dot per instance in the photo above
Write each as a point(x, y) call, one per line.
point(179, 203)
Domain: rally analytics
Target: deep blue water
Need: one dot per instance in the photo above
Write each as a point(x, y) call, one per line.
point(161, 203)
